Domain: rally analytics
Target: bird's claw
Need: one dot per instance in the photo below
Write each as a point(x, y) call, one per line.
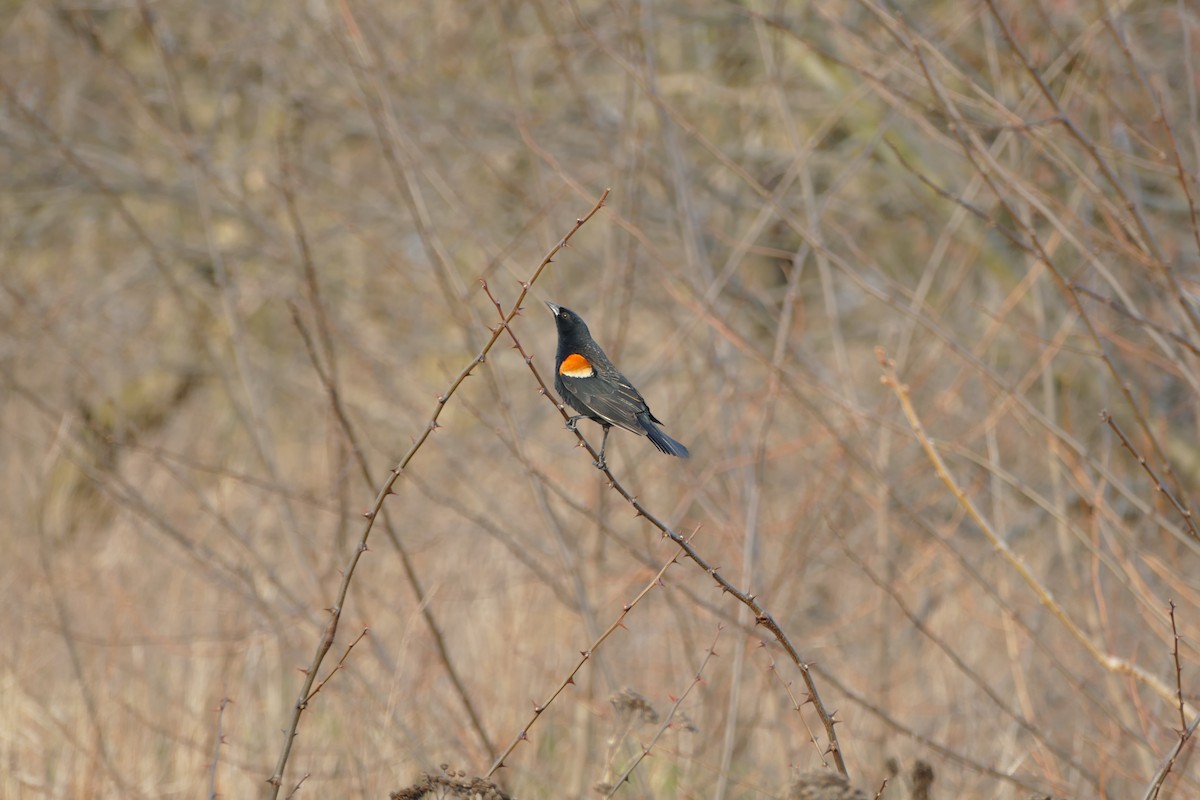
point(600, 463)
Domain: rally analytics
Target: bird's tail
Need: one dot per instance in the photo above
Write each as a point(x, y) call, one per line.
point(663, 442)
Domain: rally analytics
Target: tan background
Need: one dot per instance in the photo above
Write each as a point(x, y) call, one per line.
point(190, 190)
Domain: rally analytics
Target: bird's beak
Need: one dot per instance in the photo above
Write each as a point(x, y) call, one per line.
point(553, 308)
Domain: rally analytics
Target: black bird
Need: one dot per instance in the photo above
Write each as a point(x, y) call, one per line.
point(589, 383)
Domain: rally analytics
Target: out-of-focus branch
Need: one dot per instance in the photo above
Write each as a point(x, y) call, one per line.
point(1159, 486)
point(666, 723)
point(1105, 660)
point(584, 657)
point(335, 611)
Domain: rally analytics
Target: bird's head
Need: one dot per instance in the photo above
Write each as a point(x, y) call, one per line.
point(569, 323)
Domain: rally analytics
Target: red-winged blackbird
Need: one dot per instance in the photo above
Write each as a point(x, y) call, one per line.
point(589, 383)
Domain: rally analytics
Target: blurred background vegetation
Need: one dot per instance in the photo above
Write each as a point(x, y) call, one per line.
point(240, 252)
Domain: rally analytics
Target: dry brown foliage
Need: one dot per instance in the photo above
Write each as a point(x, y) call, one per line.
point(240, 258)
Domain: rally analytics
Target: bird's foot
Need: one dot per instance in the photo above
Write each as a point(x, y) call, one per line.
point(600, 463)
point(573, 422)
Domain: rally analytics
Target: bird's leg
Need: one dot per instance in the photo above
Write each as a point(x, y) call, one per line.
point(600, 462)
point(573, 422)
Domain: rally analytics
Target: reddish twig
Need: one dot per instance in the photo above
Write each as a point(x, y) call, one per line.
point(1185, 730)
point(584, 657)
point(216, 757)
point(335, 611)
point(761, 616)
point(1178, 669)
point(1104, 659)
point(1183, 510)
point(796, 705)
point(341, 663)
point(296, 789)
point(697, 678)
point(410, 572)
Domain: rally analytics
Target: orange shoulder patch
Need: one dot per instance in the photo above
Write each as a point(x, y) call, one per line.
point(576, 366)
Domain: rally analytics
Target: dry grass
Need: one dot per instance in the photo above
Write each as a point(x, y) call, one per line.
point(241, 252)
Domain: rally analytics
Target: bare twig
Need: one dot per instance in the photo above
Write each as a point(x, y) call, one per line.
point(962, 666)
point(796, 705)
point(666, 723)
point(410, 571)
point(1106, 660)
point(761, 616)
point(1165, 768)
point(584, 657)
point(1185, 730)
point(341, 663)
point(216, 756)
point(296, 789)
point(335, 611)
point(1178, 668)
point(1119, 307)
point(1183, 510)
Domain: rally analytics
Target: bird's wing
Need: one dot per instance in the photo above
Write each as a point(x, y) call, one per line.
point(612, 398)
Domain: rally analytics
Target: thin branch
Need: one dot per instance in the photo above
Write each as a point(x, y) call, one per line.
point(336, 667)
point(796, 705)
point(335, 611)
point(1120, 308)
point(584, 657)
point(216, 755)
point(666, 724)
point(1107, 661)
point(964, 668)
point(1183, 510)
point(410, 571)
point(1185, 730)
point(1178, 668)
point(761, 616)
point(296, 789)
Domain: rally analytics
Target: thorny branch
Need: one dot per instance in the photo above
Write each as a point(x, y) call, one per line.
point(1183, 510)
point(584, 657)
point(667, 722)
point(761, 616)
point(335, 611)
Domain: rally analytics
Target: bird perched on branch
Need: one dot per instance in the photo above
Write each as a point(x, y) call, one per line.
point(589, 383)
